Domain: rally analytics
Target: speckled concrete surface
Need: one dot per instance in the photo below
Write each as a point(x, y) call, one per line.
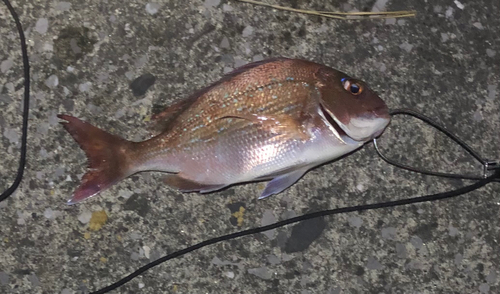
point(86, 54)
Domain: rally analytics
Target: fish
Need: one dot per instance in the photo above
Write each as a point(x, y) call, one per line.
point(271, 120)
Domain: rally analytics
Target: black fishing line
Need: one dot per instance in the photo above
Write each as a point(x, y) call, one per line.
point(488, 165)
point(434, 197)
point(480, 182)
point(26, 66)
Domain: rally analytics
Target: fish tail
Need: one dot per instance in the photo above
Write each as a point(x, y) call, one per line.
point(108, 157)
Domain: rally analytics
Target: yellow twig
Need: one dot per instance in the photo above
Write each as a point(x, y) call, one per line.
point(340, 15)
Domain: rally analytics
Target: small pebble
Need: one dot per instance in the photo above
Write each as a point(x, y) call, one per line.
point(85, 217)
point(492, 92)
point(477, 116)
point(273, 259)
point(152, 8)
point(48, 213)
point(267, 219)
point(492, 277)
point(42, 25)
point(147, 250)
point(459, 5)
point(84, 87)
point(484, 288)
point(34, 280)
point(373, 264)
point(258, 57)
point(224, 43)
point(406, 46)
point(247, 31)
point(239, 62)
point(52, 81)
point(261, 272)
point(141, 61)
point(379, 5)
point(452, 231)
point(4, 278)
point(211, 3)
point(401, 250)
point(416, 242)
point(63, 6)
point(134, 256)
point(6, 65)
point(389, 233)
point(390, 21)
point(444, 37)
point(490, 52)
point(449, 12)
point(12, 135)
point(355, 221)
point(478, 25)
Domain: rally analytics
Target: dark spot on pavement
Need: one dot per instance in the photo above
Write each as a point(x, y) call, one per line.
point(72, 44)
point(425, 231)
point(137, 203)
point(360, 271)
point(141, 84)
point(303, 234)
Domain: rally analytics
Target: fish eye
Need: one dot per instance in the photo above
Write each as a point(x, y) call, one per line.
point(353, 87)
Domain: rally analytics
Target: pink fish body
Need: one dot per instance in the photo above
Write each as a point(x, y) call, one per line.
point(270, 120)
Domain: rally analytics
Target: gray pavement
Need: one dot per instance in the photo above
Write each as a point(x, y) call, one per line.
point(86, 54)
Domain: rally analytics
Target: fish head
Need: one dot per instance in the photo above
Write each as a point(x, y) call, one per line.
point(349, 103)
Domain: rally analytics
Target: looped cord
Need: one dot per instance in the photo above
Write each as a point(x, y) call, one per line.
point(488, 166)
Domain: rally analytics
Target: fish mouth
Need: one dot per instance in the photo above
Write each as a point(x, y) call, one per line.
point(359, 129)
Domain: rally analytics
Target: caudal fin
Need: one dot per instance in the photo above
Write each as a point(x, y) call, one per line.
point(108, 157)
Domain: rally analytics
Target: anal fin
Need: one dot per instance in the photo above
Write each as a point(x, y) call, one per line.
point(282, 182)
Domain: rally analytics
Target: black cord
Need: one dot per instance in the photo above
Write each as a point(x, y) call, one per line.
point(487, 165)
point(26, 65)
point(434, 197)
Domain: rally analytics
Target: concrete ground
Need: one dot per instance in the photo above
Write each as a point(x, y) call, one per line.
point(113, 63)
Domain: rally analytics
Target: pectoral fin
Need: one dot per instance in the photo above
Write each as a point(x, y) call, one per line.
point(280, 183)
point(276, 124)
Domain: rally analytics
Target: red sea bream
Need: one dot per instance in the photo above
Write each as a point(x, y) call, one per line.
point(270, 120)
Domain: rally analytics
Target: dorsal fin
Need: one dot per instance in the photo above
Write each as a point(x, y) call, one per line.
point(249, 66)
